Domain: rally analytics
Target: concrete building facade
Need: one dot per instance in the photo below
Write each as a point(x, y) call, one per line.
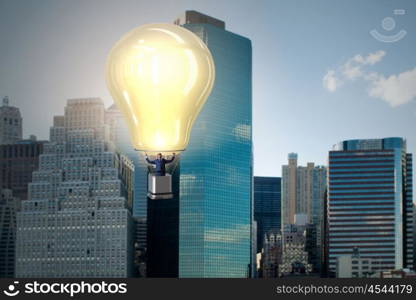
point(75, 223)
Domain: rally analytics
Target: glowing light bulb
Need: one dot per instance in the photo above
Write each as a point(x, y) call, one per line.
point(160, 76)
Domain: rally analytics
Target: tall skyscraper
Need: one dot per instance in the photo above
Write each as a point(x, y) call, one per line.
point(163, 234)
point(10, 123)
point(302, 191)
point(370, 202)
point(75, 222)
point(414, 236)
point(216, 209)
point(266, 206)
point(289, 191)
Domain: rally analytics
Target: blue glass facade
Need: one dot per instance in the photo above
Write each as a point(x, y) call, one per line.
point(216, 169)
point(267, 203)
point(370, 202)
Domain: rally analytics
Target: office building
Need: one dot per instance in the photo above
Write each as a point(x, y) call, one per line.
point(289, 190)
point(370, 202)
point(403, 273)
point(133, 174)
point(271, 255)
point(163, 234)
point(75, 222)
point(349, 266)
point(295, 257)
point(302, 191)
point(290, 252)
point(325, 241)
point(216, 209)
point(17, 162)
point(130, 159)
point(414, 236)
point(10, 123)
point(355, 266)
point(266, 206)
point(313, 247)
point(8, 209)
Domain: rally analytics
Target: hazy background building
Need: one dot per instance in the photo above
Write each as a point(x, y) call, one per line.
point(370, 202)
point(17, 162)
point(18, 159)
point(8, 210)
point(216, 209)
point(75, 222)
point(267, 206)
point(10, 123)
point(133, 174)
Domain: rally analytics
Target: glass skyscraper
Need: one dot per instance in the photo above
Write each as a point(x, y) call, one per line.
point(215, 210)
point(267, 197)
point(370, 202)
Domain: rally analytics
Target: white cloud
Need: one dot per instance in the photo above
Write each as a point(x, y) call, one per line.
point(353, 68)
point(330, 81)
point(396, 89)
point(352, 72)
point(373, 58)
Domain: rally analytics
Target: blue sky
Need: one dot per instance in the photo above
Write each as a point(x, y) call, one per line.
point(54, 50)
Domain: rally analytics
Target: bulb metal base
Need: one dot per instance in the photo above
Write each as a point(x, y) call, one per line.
point(159, 187)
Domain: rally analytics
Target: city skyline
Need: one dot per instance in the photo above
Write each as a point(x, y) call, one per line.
point(46, 54)
point(77, 196)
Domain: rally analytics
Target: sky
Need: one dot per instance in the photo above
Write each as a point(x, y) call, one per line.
point(319, 75)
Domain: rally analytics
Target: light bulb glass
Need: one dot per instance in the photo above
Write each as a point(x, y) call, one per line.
point(160, 76)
